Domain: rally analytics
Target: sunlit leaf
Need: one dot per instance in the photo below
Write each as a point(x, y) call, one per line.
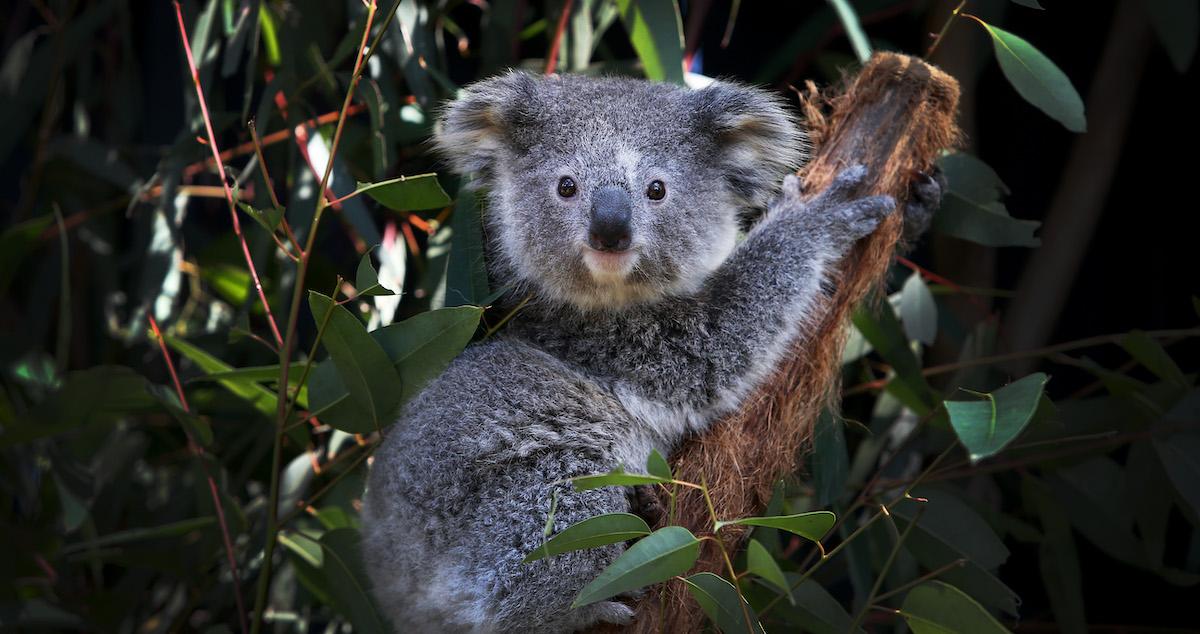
point(610, 528)
point(722, 603)
point(1037, 79)
point(656, 32)
point(665, 553)
point(812, 526)
point(408, 193)
point(986, 426)
point(858, 39)
point(939, 608)
point(303, 546)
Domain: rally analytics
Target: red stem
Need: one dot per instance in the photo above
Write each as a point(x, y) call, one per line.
point(212, 144)
point(198, 451)
point(552, 57)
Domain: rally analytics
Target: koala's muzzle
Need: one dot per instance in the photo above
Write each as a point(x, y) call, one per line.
point(610, 227)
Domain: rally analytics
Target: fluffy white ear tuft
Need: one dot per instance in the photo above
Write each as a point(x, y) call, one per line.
point(758, 137)
point(476, 127)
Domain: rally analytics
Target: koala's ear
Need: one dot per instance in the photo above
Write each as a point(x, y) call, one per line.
point(476, 127)
point(757, 137)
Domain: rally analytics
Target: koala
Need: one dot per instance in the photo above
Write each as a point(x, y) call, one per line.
point(613, 208)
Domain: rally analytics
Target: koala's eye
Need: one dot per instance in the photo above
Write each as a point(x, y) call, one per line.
point(566, 187)
point(656, 190)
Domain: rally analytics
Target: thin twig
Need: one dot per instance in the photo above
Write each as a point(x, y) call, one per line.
point(556, 43)
point(198, 452)
point(887, 564)
point(945, 27)
point(957, 563)
point(212, 143)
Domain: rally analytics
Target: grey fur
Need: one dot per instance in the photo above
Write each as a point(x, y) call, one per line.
point(598, 369)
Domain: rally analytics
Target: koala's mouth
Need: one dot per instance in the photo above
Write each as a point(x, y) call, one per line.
point(607, 267)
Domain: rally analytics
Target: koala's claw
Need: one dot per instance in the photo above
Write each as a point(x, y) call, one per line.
point(925, 196)
point(860, 217)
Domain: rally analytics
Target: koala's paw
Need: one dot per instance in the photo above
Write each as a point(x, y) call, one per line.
point(925, 196)
point(858, 218)
point(644, 502)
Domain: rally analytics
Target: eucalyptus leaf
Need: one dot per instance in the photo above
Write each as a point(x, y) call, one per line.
point(366, 279)
point(348, 585)
point(761, 563)
point(1037, 79)
point(986, 426)
point(615, 478)
point(939, 608)
point(918, 311)
point(722, 603)
point(665, 553)
point(407, 193)
point(812, 526)
point(656, 31)
point(610, 528)
point(362, 365)
point(657, 466)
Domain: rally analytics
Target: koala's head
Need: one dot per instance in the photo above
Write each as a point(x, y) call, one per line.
point(609, 191)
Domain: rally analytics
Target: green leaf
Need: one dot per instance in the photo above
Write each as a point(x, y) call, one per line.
point(854, 31)
point(830, 464)
point(987, 426)
point(815, 611)
point(918, 311)
point(953, 523)
point(1151, 354)
point(362, 365)
point(761, 563)
point(1032, 4)
point(939, 608)
point(136, 535)
point(1037, 79)
point(722, 603)
point(610, 528)
point(665, 553)
point(812, 526)
point(102, 394)
point(657, 466)
point(407, 193)
point(466, 271)
point(252, 374)
point(421, 346)
point(342, 568)
point(268, 219)
point(885, 334)
point(986, 223)
point(366, 280)
point(303, 546)
point(1058, 559)
point(261, 398)
point(197, 427)
point(615, 478)
point(656, 32)
point(1176, 24)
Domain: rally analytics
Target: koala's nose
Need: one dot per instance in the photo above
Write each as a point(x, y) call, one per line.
point(610, 227)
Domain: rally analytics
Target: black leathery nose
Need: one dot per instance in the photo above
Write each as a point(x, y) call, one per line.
point(610, 227)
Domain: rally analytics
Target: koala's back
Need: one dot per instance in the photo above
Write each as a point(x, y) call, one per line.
point(459, 492)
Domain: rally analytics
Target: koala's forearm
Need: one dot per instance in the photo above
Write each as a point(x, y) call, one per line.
point(760, 298)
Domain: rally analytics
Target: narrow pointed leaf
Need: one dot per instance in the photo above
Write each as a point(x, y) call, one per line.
point(939, 608)
point(1037, 79)
point(987, 426)
point(657, 466)
point(918, 312)
point(665, 553)
point(423, 345)
point(761, 563)
point(347, 583)
point(408, 193)
point(722, 603)
point(362, 366)
point(656, 32)
point(812, 526)
point(610, 528)
point(615, 478)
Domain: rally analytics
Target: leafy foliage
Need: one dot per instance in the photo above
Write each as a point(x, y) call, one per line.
point(216, 480)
